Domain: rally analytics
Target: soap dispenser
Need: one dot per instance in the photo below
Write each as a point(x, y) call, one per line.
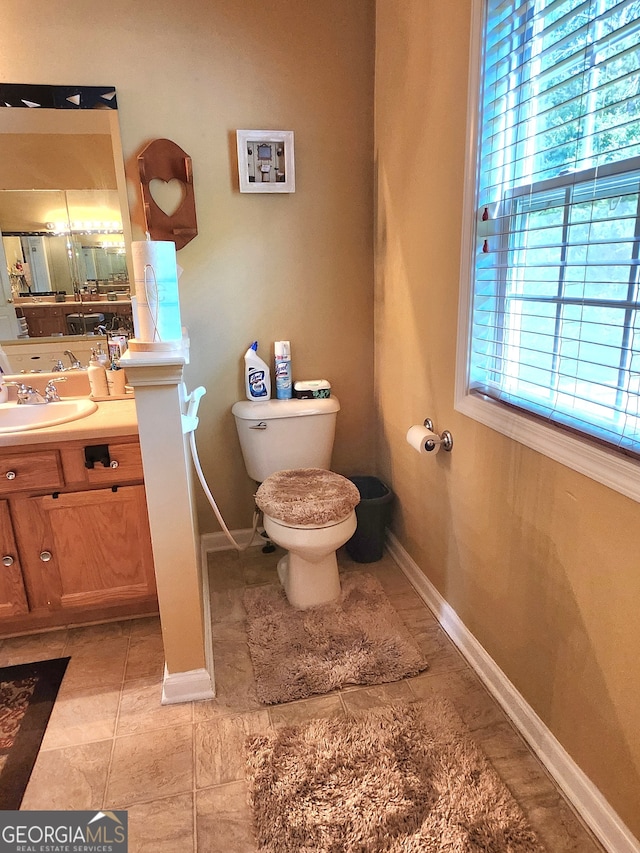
point(102, 356)
point(97, 377)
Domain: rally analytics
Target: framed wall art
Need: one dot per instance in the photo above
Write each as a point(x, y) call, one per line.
point(266, 161)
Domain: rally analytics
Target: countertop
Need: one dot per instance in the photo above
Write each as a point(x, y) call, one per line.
point(112, 418)
point(51, 303)
point(64, 340)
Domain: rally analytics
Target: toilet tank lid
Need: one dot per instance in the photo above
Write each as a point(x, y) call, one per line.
point(247, 410)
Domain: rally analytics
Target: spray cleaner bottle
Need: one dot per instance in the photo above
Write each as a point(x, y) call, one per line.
point(282, 352)
point(256, 375)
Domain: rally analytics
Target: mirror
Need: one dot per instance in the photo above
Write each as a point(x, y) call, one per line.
point(64, 218)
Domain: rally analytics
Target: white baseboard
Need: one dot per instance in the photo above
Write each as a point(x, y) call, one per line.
point(191, 686)
point(219, 542)
point(594, 809)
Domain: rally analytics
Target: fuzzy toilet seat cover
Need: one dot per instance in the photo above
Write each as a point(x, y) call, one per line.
point(307, 497)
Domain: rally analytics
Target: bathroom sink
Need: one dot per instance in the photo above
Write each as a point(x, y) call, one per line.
point(15, 418)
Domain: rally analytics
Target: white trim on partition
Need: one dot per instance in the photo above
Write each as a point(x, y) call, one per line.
point(191, 686)
point(206, 615)
point(576, 785)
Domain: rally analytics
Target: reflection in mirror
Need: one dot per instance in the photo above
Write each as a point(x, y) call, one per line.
point(43, 355)
point(57, 240)
point(63, 218)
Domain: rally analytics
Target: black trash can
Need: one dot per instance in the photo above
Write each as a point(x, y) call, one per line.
point(373, 514)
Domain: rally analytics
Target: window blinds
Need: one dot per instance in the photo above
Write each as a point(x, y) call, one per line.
point(556, 310)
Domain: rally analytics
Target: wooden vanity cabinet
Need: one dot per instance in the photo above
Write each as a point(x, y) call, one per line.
point(47, 320)
point(81, 537)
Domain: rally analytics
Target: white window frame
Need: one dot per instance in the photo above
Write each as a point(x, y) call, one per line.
point(609, 467)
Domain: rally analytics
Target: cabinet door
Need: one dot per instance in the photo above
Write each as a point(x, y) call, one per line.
point(86, 549)
point(13, 600)
point(52, 326)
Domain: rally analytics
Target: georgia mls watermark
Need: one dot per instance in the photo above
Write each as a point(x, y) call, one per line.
point(63, 832)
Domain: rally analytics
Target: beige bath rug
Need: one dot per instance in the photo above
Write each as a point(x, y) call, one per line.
point(360, 639)
point(400, 780)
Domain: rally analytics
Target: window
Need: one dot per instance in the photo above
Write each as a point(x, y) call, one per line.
point(553, 319)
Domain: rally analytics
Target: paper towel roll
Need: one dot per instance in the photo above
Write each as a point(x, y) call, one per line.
point(155, 274)
point(421, 438)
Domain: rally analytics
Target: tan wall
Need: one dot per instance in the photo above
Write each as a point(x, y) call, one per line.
point(541, 563)
point(295, 267)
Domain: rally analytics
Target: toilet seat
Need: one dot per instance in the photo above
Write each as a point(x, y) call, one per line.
point(307, 498)
point(308, 526)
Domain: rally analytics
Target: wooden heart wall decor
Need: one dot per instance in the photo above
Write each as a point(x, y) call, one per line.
point(169, 201)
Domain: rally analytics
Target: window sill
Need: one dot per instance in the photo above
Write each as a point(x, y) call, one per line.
point(612, 469)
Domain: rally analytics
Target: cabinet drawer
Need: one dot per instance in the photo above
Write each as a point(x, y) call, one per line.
point(43, 312)
point(129, 465)
point(23, 471)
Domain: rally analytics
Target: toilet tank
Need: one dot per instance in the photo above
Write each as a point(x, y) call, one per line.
point(278, 435)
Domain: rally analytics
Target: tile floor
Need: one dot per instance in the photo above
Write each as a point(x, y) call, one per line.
point(179, 770)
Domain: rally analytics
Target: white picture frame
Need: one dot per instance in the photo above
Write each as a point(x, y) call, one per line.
point(277, 165)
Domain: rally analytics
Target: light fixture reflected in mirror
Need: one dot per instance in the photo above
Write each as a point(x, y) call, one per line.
point(89, 227)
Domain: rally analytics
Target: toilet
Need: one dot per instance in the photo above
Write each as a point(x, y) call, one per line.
point(308, 510)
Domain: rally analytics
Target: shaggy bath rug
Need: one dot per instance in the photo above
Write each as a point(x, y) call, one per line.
point(359, 639)
point(401, 779)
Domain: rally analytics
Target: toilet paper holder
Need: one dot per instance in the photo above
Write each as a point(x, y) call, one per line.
point(446, 439)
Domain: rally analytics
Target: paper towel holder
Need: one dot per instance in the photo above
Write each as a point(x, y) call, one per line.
point(446, 439)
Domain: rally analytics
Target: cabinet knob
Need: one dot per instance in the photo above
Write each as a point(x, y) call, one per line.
point(7, 560)
point(114, 463)
point(45, 556)
point(11, 475)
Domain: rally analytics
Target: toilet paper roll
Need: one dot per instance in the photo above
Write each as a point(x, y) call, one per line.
point(423, 440)
point(155, 274)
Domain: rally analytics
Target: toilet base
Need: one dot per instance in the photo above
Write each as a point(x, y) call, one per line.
point(309, 584)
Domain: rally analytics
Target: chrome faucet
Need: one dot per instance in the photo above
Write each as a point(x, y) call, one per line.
point(75, 363)
point(30, 396)
point(51, 392)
